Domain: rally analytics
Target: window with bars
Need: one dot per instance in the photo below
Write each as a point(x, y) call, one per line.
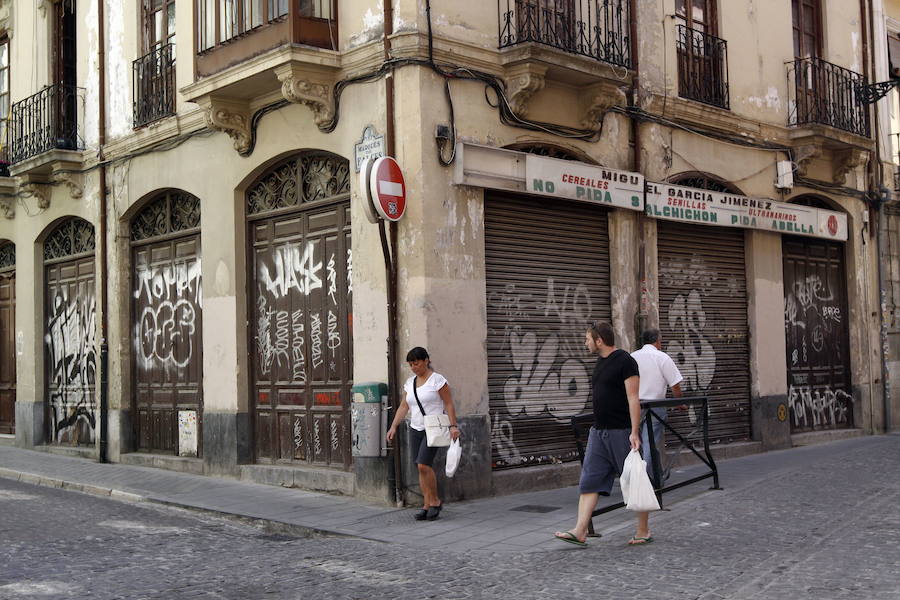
point(223, 20)
point(702, 57)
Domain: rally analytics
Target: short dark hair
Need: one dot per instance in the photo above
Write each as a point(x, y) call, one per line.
point(650, 336)
point(603, 331)
point(417, 353)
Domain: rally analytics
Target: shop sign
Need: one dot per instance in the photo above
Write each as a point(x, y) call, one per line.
point(371, 146)
point(587, 183)
point(692, 205)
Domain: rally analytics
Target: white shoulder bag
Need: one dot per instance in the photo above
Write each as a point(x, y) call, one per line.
point(437, 427)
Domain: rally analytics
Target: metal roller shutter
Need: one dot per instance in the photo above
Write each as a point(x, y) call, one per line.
point(703, 321)
point(547, 270)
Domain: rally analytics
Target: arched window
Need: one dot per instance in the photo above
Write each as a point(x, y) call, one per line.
point(304, 178)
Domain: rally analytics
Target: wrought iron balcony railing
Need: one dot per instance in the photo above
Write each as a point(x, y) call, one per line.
point(154, 85)
point(827, 94)
point(47, 120)
point(595, 28)
point(702, 67)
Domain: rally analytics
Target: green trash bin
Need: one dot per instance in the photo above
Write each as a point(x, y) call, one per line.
point(368, 419)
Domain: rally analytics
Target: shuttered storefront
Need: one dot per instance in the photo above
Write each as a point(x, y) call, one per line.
point(815, 322)
point(703, 321)
point(70, 362)
point(547, 271)
point(167, 325)
point(8, 338)
point(301, 317)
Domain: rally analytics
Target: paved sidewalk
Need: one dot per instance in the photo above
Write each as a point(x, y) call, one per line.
point(515, 523)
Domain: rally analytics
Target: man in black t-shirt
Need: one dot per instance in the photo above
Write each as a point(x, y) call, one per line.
point(616, 431)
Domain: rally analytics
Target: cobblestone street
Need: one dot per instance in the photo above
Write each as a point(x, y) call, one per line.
point(831, 531)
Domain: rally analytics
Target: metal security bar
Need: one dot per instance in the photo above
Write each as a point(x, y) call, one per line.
point(827, 94)
point(47, 120)
point(702, 67)
point(595, 28)
point(582, 423)
point(154, 85)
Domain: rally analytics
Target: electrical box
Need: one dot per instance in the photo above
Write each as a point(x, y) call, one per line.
point(368, 419)
point(785, 179)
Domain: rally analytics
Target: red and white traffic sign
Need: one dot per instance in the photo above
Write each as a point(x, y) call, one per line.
point(388, 188)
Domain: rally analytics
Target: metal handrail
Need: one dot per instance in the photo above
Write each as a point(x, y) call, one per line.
point(702, 67)
point(583, 422)
point(47, 120)
point(598, 29)
point(827, 94)
point(154, 85)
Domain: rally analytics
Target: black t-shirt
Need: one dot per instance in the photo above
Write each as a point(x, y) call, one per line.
point(608, 390)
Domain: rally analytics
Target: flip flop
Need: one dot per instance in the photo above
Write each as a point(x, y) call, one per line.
point(569, 537)
point(639, 541)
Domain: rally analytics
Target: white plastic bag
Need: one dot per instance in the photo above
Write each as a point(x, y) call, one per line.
point(637, 491)
point(454, 452)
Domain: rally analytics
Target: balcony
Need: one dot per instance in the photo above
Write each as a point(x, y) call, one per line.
point(231, 32)
point(44, 122)
point(154, 85)
point(597, 29)
point(702, 67)
point(825, 94)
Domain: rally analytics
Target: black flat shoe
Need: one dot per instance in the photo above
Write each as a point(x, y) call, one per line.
point(421, 515)
point(434, 512)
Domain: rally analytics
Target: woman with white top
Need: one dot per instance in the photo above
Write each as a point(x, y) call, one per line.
point(434, 394)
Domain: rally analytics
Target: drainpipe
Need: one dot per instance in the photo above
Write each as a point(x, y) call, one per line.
point(637, 166)
point(390, 259)
point(104, 347)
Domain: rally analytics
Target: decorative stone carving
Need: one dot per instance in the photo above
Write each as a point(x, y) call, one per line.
point(8, 207)
point(233, 119)
point(39, 191)
point(72, 181)
point(597, 100)
point(522, 83)
point(313, 94)
point(846, 161)
point(803, 155)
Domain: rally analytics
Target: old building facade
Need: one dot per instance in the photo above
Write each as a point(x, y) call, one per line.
point(189, 279)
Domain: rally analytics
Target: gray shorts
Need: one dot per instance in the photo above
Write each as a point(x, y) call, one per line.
point(603, 459)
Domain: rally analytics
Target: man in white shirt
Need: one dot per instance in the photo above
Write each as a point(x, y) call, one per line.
point(657, 373)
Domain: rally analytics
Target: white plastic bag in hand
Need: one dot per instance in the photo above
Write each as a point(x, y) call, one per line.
point(637, 491)
point(454, 452)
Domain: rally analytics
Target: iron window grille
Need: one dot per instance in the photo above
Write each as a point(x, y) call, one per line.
point(598, 29)
point(702, 67)
point(7, 256)
point(154, 85)
point(47, 120)
point(826, 94)
point(308, 178)
point(72, 237)
point(173, 212)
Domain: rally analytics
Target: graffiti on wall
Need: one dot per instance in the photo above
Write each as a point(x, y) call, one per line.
point(72, 357)
point(550, 378)
point(817, 408)
point(169, 301)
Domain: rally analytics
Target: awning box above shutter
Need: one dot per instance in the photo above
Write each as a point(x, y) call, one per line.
point(499, 169)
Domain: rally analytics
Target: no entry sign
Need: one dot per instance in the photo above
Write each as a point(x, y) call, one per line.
point(388, 188)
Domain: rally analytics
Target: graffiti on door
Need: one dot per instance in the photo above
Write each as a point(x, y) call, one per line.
point(72, 365)
point(550, 378)
point(171, 301)
point(817, 408)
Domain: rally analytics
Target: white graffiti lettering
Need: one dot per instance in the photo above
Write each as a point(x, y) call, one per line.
point(298, 433)
point(691, 351)
point(822, 407)
point(331, 275)
point(293, 271)
point(317, 441)
point(349, 271)
point(315, 339)
point(335, 439)
point(166, 333)
point(334, 335)
point(299, 359)
point(171, 282)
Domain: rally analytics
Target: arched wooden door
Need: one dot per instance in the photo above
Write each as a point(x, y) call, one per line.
point(7, 338)
point(70, 363)
point(301, 313)
point(167, 307)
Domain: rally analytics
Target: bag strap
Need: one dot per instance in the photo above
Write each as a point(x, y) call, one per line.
point(416, 394)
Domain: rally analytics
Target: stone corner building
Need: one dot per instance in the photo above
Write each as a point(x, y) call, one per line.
point(189, 280)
